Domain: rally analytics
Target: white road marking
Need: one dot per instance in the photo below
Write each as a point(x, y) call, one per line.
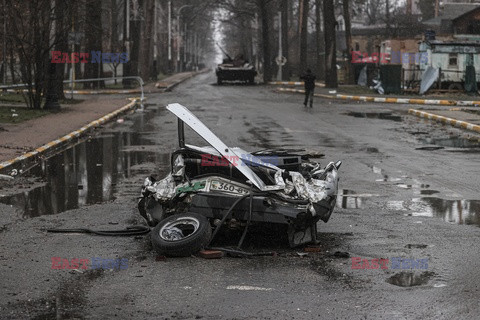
point(248, 288)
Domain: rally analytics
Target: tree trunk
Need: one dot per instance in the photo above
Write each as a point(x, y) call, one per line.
point(320, 54)
point(147, 40)
point(12, 62)
point(93, 41)
point(132, 66)
point(348, 40)
point(267, 56)
point(284, 6)
point(303, 25)
point(387, 16)
point(61, 34)
point(330, 44)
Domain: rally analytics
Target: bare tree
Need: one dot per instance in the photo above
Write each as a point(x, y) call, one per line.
point(320, 54)
point(329, 24)
point(284, 8)
point(374, 11)
point(93, 41)
point(303, 31)
point(30, 33)
point(146, 49)
point(265, 16)
point(348, 41)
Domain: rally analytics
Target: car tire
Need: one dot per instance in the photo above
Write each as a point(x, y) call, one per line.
point(181, 235)
point(219, 81)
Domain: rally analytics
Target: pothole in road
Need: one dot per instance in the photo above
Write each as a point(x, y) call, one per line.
point(410, 279)
point(375, 115)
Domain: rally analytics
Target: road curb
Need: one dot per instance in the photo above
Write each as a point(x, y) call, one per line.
point(445, 120)
point(390, 100)
point(303, 91)
point(87, 92)
point(294, 83)
point(74, 134)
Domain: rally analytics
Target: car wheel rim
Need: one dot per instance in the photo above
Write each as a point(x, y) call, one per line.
point(179, 229)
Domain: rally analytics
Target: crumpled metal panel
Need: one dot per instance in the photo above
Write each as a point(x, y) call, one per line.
point(193, 122)
point(165, 188)
point(313, 190)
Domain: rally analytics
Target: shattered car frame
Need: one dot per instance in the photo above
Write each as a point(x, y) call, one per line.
point(214, 185)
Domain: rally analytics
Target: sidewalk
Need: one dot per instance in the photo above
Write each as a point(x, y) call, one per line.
point(28, 135)
point(169, 83)
point(17, 139)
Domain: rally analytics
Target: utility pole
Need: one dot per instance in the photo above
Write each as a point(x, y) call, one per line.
point(179, 12)
point(195, 46)
point(186, 43)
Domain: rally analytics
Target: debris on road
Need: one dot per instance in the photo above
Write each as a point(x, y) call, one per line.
point(211, 254)
point(217, 185)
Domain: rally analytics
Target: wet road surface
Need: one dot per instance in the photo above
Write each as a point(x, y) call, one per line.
point(409, 189)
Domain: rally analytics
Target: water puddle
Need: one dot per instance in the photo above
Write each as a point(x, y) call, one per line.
point(458, 142)
point(92, 171)
point(404, 186)
point(375, 115)
point(416, 246)
point(453, 211)
point(428, 192)
point(388, 179)
point(410, 279)
point(348, 199)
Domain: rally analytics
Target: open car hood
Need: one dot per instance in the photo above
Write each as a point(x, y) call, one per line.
point(232, 155)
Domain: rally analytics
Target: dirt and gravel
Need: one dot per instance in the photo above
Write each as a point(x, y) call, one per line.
point(397, 199)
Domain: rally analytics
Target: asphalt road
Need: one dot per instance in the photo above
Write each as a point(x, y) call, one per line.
point(401, 197)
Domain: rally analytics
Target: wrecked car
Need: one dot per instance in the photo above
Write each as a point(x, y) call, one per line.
point(209, 187)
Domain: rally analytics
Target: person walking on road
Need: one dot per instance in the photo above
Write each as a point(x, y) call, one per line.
point(309, 79)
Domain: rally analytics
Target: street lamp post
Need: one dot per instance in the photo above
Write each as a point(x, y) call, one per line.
point(179, 11)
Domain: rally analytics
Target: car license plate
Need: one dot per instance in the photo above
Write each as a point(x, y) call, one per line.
point(227, 187)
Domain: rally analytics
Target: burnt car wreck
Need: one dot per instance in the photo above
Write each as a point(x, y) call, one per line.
point(208, 187)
